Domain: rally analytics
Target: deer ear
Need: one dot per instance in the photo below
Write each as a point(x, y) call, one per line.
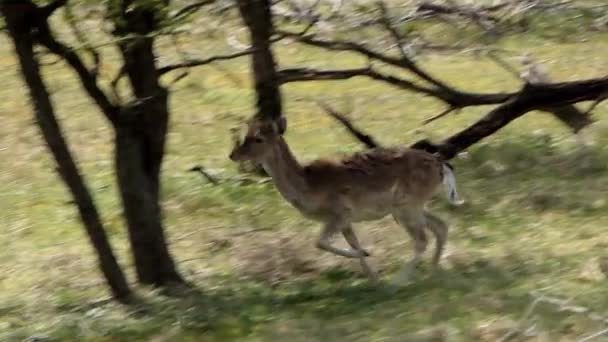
point(281, 125)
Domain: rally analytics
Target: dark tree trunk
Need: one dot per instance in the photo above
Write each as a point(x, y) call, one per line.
point(138, 159)
point(258, 18)
point(141, 131)
point(21, 20)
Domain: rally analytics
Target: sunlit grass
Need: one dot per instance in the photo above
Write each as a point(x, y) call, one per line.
point(535, 217)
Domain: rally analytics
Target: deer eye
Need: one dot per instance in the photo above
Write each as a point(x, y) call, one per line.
point(258, 140)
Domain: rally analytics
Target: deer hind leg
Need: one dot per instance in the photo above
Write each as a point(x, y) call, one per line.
point(440, 229)
point(351, 238)
point(414, 222)
point(324, 241)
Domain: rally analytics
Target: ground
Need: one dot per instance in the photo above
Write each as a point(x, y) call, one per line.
point(534, 223)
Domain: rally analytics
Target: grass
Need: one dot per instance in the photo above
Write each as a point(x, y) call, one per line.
point(534, 221)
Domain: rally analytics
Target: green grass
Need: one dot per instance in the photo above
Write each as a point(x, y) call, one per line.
point(535, 218)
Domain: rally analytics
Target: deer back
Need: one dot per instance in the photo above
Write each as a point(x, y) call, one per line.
point(405, 172)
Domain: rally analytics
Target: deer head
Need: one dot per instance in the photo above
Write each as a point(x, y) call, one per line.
point(258, 142)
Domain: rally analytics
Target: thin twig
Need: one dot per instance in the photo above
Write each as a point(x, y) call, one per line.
point(595, 104)
point(199, 62)
point(501, 62)
point(190, 9)
point(439, 116)
point(438, 89)
point(366, 139)
point(309, 74)
point(386, 22)
point(205, 174)
point(182, 54)
point(178, 78)
point(82, 39)
point(114, 83)
point(87, 77)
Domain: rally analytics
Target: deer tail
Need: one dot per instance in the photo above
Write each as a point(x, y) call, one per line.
point(450, 182)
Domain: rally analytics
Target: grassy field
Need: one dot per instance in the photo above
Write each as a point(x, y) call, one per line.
point(534, 223)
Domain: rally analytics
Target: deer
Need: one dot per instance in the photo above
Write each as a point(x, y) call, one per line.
point(364, 186)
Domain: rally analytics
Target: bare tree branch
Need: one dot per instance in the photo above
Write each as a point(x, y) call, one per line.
point(595, 104)
point(440, 115)
point(115, 80)
point(199, 62)
point(570, 115)
point(205, 174)
point(87, 77)
point(179, 77)
point(481, 11)
point(457, 100)
point(366, 139)
point(386, 22)
point(531, 97)
point(190, 9)
point(502, 63)
point(49, 9)
point(339, 45)
point(82, 39)
point(308, 74)
point(447, 94)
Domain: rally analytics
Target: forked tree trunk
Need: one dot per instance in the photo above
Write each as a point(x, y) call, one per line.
point(141, 131)
point(20, 25)
point(138, 173)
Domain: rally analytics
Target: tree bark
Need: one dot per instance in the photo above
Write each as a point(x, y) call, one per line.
point(138, 173)
point(20, 20)
point(257, 16)
point(141, 130)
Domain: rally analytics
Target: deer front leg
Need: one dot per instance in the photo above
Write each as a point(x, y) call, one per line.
point(324, 242)
point(351, 238)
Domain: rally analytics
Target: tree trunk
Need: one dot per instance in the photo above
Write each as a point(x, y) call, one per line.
point(141, 131)
point(20, 23)
point(258, 17)
point(138, 179)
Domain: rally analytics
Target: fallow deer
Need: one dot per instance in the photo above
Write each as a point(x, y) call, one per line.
point(361, 187)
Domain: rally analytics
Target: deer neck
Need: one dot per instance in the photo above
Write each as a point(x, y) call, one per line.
point(287, 173)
